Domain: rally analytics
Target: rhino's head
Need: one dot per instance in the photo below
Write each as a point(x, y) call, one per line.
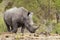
point(29, 23)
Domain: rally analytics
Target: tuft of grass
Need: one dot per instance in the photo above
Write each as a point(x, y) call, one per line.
point(56, 28)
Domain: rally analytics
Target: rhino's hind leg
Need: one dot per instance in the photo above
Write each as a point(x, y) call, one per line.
point(14, 25)
point(8, 27)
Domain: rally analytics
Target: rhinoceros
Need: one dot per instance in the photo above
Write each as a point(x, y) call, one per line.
point(19, 17)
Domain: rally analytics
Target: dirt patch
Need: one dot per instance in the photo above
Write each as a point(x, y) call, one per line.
point(28, 36)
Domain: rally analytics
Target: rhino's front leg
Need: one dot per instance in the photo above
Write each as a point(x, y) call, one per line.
point(22, 29)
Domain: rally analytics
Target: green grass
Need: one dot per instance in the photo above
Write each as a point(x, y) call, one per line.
point(2, 25)
point(56, 28)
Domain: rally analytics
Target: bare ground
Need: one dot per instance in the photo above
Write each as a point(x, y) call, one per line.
point(28, 36)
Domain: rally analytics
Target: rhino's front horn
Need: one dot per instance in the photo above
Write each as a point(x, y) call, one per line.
point(36, 28)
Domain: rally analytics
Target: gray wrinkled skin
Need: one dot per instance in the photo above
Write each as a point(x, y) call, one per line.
point(19, 17)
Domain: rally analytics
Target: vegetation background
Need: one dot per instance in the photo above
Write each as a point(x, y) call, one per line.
point(46, 13)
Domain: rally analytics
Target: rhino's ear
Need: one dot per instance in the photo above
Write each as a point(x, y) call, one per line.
point(28, 14)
